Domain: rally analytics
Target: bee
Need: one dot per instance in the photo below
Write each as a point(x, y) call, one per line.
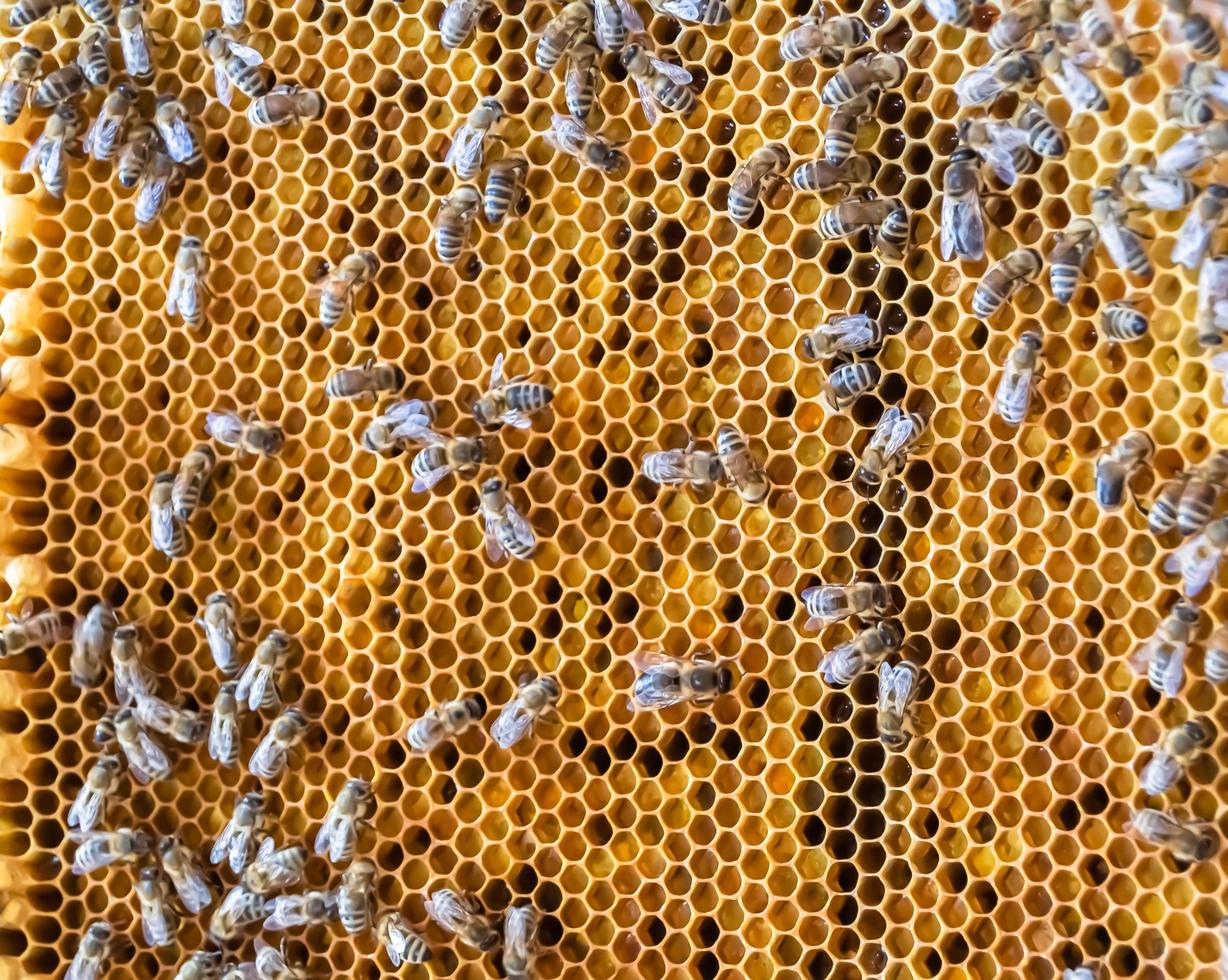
point(843, 125)
point(582, 80)
point(185, 874)
point(848, 383)
point(662, 680)
point(1195, 235)
point(1043, 137)
point(894, 437)
point(218, 622)
point(19, 75)
point(190, 480)
point(872, 73)
point(135, 43)
point(373, 378)
point(823, 175)
point(131, 676)
point(185, 296)
point(1198, 558)
point(28, 629)
point(447, 721)
point(235, 65)
point(1188, 106)
point(963, 223)
point(1068, 255)
point(466, 154)
point(269, 759)
point(402, 944)
point(454, 220)
point(504, 187)
point(765, 166)
point(573, 138)
point(1003, 278)
point(1117, 467)
point(865, 651)
point(710, 13)
point(459, 19)
point(172, 122)
point(257, 687)
point(102, 140)
point(520, 942)
point(957, 13)
point(441, 456)
point(338, 834)
point(356, 898)
point(89, 961)
point(462, 915)
point(1163, 514)
point(1212, 314)
point(153, 190)
point(845, 333)
point(827, 40)
point(49, 154)
point(1194, 149)
point(102, 848)
point(1003, 146)
point(673, 467)
point(1196, 30)
point(895, 233)
point(1200, 493)
point(247, 434)
point(1122, 321)
point(1162, 657)
point(309, 908)
point(564, 30)
point(135, 154)
point(154, 714)
point(1173, 754)
point(897, 689)
point(237, 842)
point(507, 532)
point(1065, 69)
point(1006, 71)
point(159, 921)
point(510, 401)
point(1016, 27)
point(90, 806)
point(201, 966)
point(1188, 840)
point(537, 697)
point(238, 909)
point(1208, 81)
point(1100, 27)
point(613, 22)
point(1019, 377)
point(853, 214)
point(399, 420)
point(830, 604)
point(91, 639)
point(146, 758)
point(1216, 662)
point(274, 869)
point(224, 726)
point(285, 104)
point(338, 285)
point(741, 468)
point(26, 12)
point(166, 532)
point(1154, 190)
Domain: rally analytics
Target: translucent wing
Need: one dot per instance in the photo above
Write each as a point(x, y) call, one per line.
point(179, 140)
point(135, 48)
point(657, 686)
point(268, 759)
point(521, 526)
point(1077, 87)
point(963, 227)
point(977, 87)
point(221, 84)
point(1197, 561)
point(1188, 153)
point(286, 912)
point(519, 932)
point(1014, 395)
point(1194, 237)
point(1166, 673)
point(234, 12)
point(428, 481)
point(223, 739)
point(688, 10)
point(494, 550)
point(32, 158)
point(903, 433)
point(667, 467)
point(998, 154)
point(886, 688)
point(422, 435)
point(148, 762)
point(853, 331)
point(221, 846)
point(1159, 193)
point(162, 528)
point(1116, 244)
point(1213, 292)
point(632, 20)
point(885, 427)
point(193, 890)
point(173, 292)
point(565, 134)
point(86, 809)
point(899, 684)
point(155, 924)
point(496, 372)
point(675, 73)
point(647, 102)
point(249, 56)
point(513, 723)
point(413, 412)
point(465, 154)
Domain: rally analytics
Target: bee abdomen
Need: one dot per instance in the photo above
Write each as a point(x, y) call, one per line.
point(1216, 665)
point(831, 227)
point(450, 241)
point(1120, 320)
point(1196, 506)
point(252, 81)
point(675, 98)
point(430, 458)
point(1044, 138)
point(416, 950)
point(1200, 35)
point(332, 309)
point(1063, 278)
point(1163, 516)
point(1159, 774)
point(526, 398)
point(513, 543)
point(99, 11)
point(895, 229)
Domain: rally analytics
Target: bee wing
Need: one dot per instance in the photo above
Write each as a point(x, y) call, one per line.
point(670, 466)
point(234, 12)
point(174, 291)
point(885, 427)
point(496, 373)
point(1014, 395)
point(963, 227)
point(248, 55)
point(688, 10)
point(675, 73)
point(134, 46)
point(1194, 237)
point(1187, 154)
point(886, 688)
point(1220, 363)
point(427, 482)
point(852, 330)
point(998, 154)
point(423, 435)
point(221, 83)
point(494, 550)
point(646, 101)
point(900, 686)
point(262, 682)
point(193, 889)
point(153, 759)
point(1160, 193)
point(519, 928)
point(83, 969)
point(413, 412)
point(221, 846)
point(1114, 235)
point(903, 433)
point(465, 153)
point(223, 739)
point(33, 158)
point(513, 723)
point(179, 140)
point(1077, 87)
point(1197, 561)
point(268, 759)
point(522, 526)
point(632, 20)
point(86, 809)
point(565, 134)
point(286, 914)
point(977, 87)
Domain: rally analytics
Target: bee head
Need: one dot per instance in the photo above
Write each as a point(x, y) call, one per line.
point(808, 348)
point(492, 486)
point(189, 241)
point(104, 732)
point(724, 680)
point(894, 740)
point(1186, 611)
point(1031, 340)
point(630, 54)
point(1217, 191)
point(891, 633)
point(869, 476)
point(492, 105)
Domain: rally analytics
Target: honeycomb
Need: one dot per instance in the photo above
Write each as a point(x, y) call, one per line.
point(768, 836)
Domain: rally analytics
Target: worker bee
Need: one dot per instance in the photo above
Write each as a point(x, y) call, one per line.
point(159, 921)
point(103, 138)
point(135, 43)
point(274, 869)
point(672, 467)
point(1003, 278)
point(1188, 106)
point(238, 909)
point(1117, 467)
point(963, 223)
point(1163, 514)
point(507, 532)
point(1068, 255)
point(191, 479)
point(848, 383)
point(447, 721)
point(386, 431)
point(1122, 321)
point(462, 915)
point(1016, 27)
point(338, 834)
point(1003, 146)
point(537, 697)
point(741, 468)
point(874, 72)
point(102, 848)
point(285, 104)
point(356, 898)
point(663, 680)
point(1215, 663)
point(1043, 136)
point(710, 13)
point(28, 629)
point(1174, 753)
point(185, 296)
point(1100, 27)
point(89, 961)
point(823, 175)
point(766, 165)
point(466, 154)
point(1195, 235)
point(894, 235)
point(218, 622)
point(269, 759)
point(1019, 377)
point(19, 75)
point(830, 604)
point(402, 944)
point(897, 689)
point(131, 676)
point(1209, 81)
point(1198, 558)
point(573, 138)
point(153, 190)
point(1196, 30)
point(90, 805)
point(459, 19)
point(338, 285)
point(1155, 191)
point(454, 220)
point(245, 433)
point(26, 12)
point(1200, 493)
point(582, 79)
point(171, 121)
point(510, 401)
point(1212, 314)
point(827, 40)
point(166, 532)
point(564, 30)
point(520, 942)
point(1064, 67)
point(185, 874)
point(146, 758)
point(1162, 657)
point(843, 125)
point(441, 456)
point(845, 333)
point(308, 908)
point(224, 726)
point(865, 651)
point(1194, 149)
point(49, 154)
point(201, 966)
point(894, 438)
point(613, 22)
point(234, 64)
point(373, 378)
point(91, 639)
point(504, 187)
point(957, 13)
point(135, 154)
point(1187, 839)
point(1006, 71)
point(154, 714)
point(853, 214)
point(237, 842)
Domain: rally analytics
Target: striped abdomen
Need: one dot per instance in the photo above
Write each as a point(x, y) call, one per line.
point(1119, 320)
point(527, 397)
point(673, 97)
point(1200, 35)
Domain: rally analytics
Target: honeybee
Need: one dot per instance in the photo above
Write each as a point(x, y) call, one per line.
point(224, 726)
point(171, 121)
point(1209, 81)
point(459, 19)
point(843, 125)
point(19, 75)
point(1019, 377)
point(356, 898)
point(1100, 27)
point(238, 909)
point(957, 13)
point(894, 235)
point(28, 629)
point(672, 467)
point(1215, 663)
point(1122, 321)
point(274, 869)
point(338, 834)
point(466, 154)
point(89, 961)
point(1196, 30)
point(131, 676)
point(190, 480)
point(285, 104)
point(1003, 278)
point(454, 220)
point(146, 758)
point(504, 187)
point(90, 805)
point(571, 137)
point(338, 285)
point(613, 22)
point(1162, 657)
point(827, 40)
point(166, 532)
point(582, 80)
point(399, 420)
point(1200, 493)
point(1064, 67)
point(1172, 755)
point(441, 456)
point(963, 223)
point(49, 153)
point(507, 531)
point(102, 848)
point(845, 333)
point(1043, 136)
point(402, 944)
point(91, 639)
point(823, 175)
point(741, 468)
point(245, 433)
point(103, 138)
point(159, 922)
point(830, 604)
point(154, 187)
point(1187, 839)
point(564, 30)
point(237, 842)
point(1188, 106)
point(1194, 149)
point(185, 874)
point(537, 697)
point(462, 915)
point(1155, 191)
point(1003, 146)
point(26, 12)
point(1068, 255)
point(269, 759)
point(1198, 558)
point(766, 165)
point(865, 651)
point(1163, 514)
point(135, 154)
point(520, 942)
point(1212, 315)
point(309, 908)
point(710, 13)
point(218, 622)
point(874, 72)
point(201, 966)
point(234, 64)
point(135, 43)
point(663, 680)
point(848, 383)
point(447, 721)
point(257, 686)
point(1006, 71)
point(154, 714)
point(1117, 467)
point(186, 294)
point(897, 689)
point(886, 455)
point(1016, 27)
point(373, 378)
point(60, 86)
point(853, 214)
point(510, 401)
point(1195, 235)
